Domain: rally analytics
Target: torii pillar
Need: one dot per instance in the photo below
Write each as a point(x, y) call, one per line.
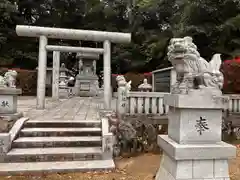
point(55, 75)
point(71, 34)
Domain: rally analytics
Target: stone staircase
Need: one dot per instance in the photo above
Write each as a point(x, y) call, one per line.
point(57, 146)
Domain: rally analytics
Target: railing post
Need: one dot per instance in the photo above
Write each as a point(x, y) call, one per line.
point(121, 100)
point(107, 139)
point(121, 96)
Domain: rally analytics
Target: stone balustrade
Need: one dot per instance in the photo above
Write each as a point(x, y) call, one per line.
point(234, 103)
point(151, 103)
point(146, 103)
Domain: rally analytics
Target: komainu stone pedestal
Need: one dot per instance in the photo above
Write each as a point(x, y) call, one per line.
point(8, 100)
point(193, 149)
point(8, 107)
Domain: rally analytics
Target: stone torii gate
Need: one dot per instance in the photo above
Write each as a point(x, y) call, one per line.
point(93, 52)
point(72, 34)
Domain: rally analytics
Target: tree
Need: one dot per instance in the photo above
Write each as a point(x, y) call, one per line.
point(212, 25)
point(7, 9)
point(152, 23)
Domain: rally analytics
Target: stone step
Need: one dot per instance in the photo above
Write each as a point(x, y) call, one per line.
point(62, 123)
point(62, 141)
point(58, 166)
point(53, 154)
point(35, 132)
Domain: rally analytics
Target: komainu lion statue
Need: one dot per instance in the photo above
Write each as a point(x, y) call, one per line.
point(3, 82)
point(121, 81)
point(9, 79)
point(193, 72)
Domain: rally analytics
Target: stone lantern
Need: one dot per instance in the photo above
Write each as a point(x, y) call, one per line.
point(63, 87)
point(63, 76)
point(145, 87)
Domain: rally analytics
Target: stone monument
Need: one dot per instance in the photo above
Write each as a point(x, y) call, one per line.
point(87, 80)
point(63, 83)
point(193, 149)
point(8, 100)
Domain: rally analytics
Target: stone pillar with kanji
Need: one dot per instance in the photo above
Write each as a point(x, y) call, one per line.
point(193, 148)
point(124, 88)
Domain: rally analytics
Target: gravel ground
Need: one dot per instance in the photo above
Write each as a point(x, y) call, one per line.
point(142, 167)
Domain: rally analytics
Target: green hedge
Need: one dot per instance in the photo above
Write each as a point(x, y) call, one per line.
point(26, 80)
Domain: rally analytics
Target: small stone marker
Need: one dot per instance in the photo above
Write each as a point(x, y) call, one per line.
point(193, 149)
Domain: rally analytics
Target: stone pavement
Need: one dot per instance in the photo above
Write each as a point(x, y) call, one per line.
point(76, 108)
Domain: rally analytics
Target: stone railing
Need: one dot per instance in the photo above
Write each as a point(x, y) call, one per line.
point(151, 103)
point(146, 103)
point(136, 103)
point(234, 103)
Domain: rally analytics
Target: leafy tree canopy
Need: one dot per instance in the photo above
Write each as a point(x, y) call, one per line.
point(214, 25)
